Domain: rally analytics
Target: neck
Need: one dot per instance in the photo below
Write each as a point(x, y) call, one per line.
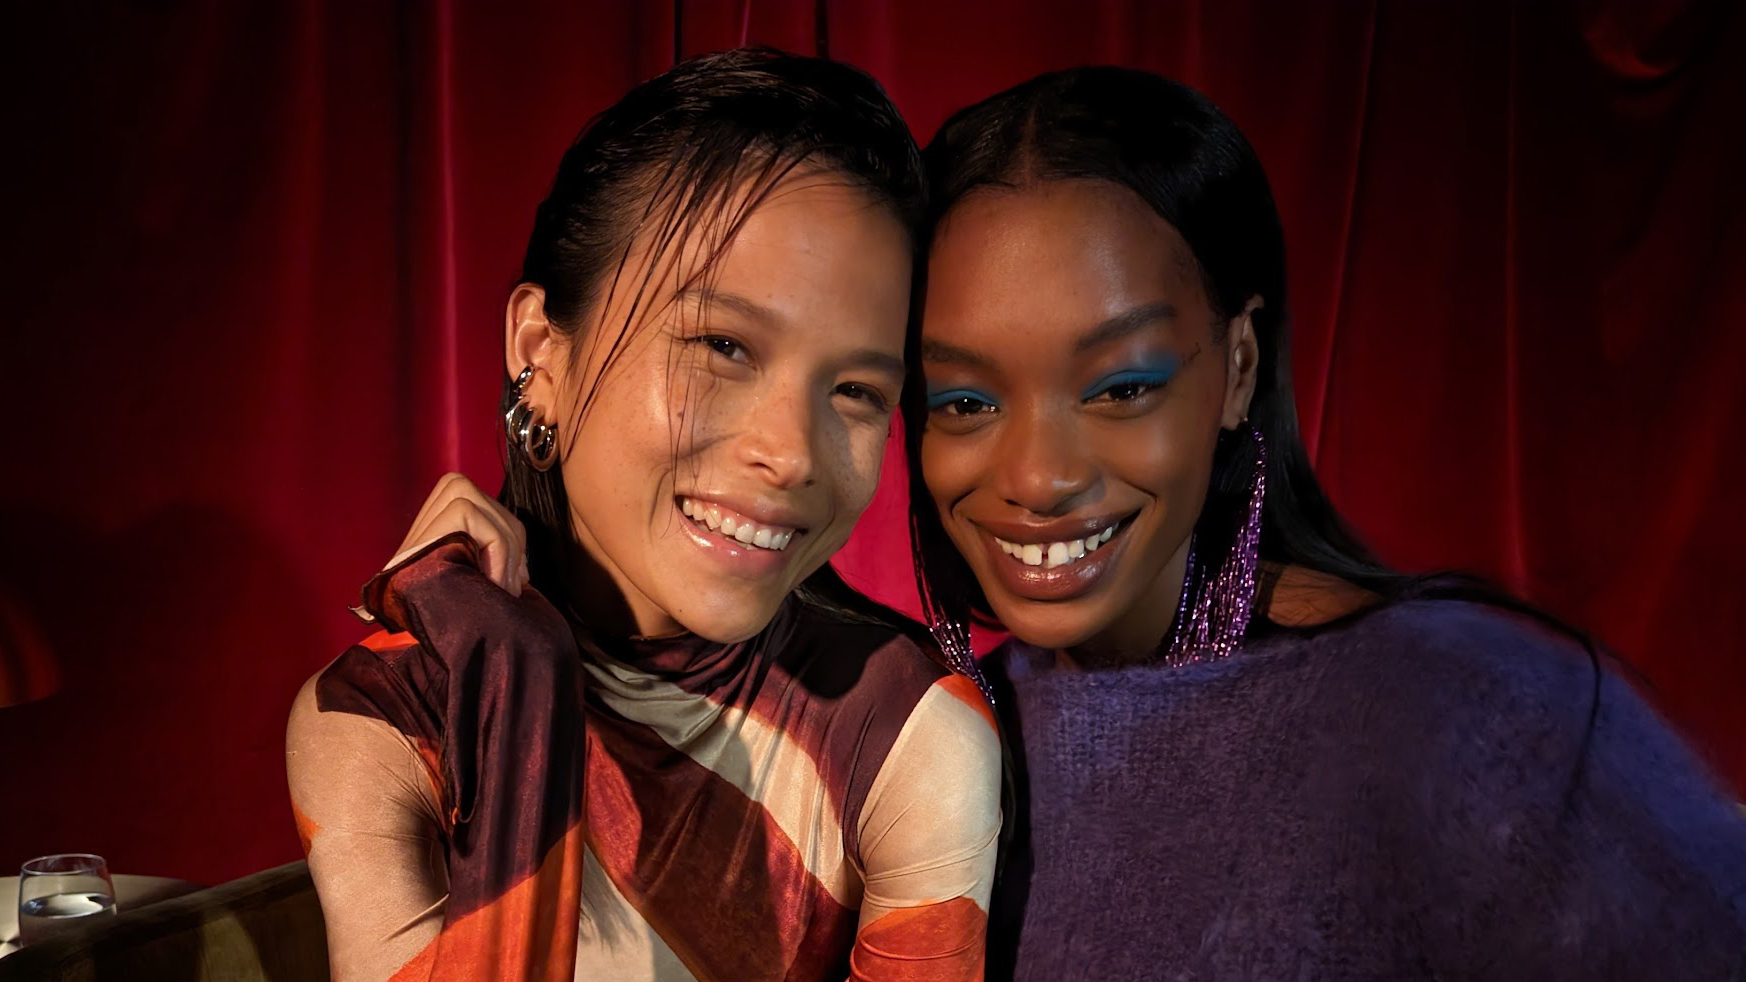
point(601, 596)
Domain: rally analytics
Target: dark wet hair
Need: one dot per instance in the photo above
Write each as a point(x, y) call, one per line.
point(696, 148)
point(1178, 153)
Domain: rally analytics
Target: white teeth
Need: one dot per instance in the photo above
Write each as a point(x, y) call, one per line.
point(1053, 554)
point(740, 529)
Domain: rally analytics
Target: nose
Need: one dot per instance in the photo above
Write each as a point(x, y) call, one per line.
point(1044, 466)
point(777, 441)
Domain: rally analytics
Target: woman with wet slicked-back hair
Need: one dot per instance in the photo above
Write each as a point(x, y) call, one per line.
point(681, 748)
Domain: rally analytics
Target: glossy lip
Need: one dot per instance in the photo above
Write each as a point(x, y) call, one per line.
point(1067, 582)
point(730, 554)
point(1058, 530)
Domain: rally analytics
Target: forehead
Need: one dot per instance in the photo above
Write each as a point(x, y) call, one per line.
point(816, 251)
point(1054, 256)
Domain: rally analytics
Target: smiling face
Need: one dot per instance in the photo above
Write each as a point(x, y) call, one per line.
point(735, 438)
point(1077, 380)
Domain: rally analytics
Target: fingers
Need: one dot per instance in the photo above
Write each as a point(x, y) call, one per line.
point(487, 529)
point(457, 505)
point(448, 487)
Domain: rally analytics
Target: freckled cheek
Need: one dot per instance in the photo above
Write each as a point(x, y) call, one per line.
point(696, 415)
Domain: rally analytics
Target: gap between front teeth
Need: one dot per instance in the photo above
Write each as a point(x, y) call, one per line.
point(1052, 554)
point(735, 526)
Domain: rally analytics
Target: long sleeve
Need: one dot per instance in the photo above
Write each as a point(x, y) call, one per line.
point(438, 776)
point(928, 838)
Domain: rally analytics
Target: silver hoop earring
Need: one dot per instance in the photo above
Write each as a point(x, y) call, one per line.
point(535, 439)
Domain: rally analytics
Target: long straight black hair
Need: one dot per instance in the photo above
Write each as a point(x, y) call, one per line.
point(1190, 164)
point(692, 152)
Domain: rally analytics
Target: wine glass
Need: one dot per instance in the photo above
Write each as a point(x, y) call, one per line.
point(58, 893)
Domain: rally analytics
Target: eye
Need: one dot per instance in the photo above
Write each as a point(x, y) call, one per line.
point(1125, 392)
point(1126, 387)
point(725, 346)
point(865, 393)
point(959, 402)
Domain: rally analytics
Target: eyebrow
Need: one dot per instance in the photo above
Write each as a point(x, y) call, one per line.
point(869, 358)
point(950, 354)
point(741, 305)
point(1122, 325)
point(877, 361)
point(1125, 324)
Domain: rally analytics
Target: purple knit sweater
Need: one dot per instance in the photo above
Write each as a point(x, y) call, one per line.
point(1416, 793)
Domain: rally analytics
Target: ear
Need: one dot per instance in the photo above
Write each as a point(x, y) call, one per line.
point(528, 339)
point(1242, 369)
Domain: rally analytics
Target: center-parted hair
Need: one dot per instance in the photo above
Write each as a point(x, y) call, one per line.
point(1188, 162)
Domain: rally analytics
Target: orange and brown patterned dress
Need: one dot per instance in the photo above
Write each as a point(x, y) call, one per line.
point(485, 793)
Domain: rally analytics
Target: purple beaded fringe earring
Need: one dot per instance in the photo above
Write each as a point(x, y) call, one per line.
point(954, 641)
point(1215, 608)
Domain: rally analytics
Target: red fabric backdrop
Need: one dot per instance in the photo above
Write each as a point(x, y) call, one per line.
point(255, 257)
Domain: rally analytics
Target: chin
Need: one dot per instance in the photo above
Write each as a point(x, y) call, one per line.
point(731, 621)
point(1047, 625)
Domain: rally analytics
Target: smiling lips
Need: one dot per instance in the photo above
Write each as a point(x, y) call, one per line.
point(1052, 554)
point(1059, 560)
point(733, 525)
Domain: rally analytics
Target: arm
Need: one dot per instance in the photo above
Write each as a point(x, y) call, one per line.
point(1599, 853)
point(439, 776)
point(927, 843)
point(366, 807)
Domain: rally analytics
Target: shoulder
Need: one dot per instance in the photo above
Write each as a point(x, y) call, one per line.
point(1475, 711)
point(349, 763)
point(1298, 597)
point(387, 676)
point(1472, 656)
point(382, 690)
point(379, 706)
point(943, 770)
point(894, 677)
point(882, 662)
point(1459, 655)
point(1444, 682)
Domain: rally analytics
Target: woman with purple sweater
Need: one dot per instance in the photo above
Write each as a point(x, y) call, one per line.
point(1242, 749)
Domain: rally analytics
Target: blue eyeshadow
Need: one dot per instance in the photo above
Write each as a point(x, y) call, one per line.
point(1156, 372)
point(948, 396)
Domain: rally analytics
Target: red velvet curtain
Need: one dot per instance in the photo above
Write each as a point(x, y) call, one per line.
point(256, 255)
